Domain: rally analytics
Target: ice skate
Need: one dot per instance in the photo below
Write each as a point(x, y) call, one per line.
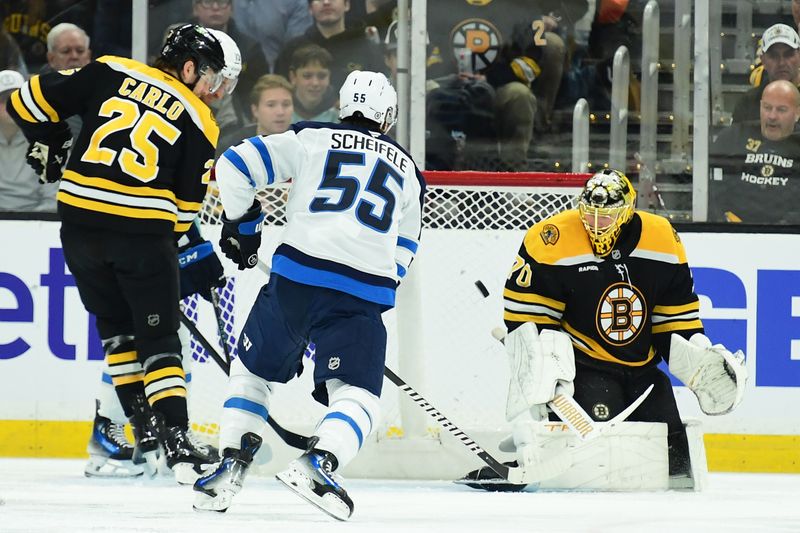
point(312, 477)
point(187, 461)
point(145, 452)
point(110, 453)
point(216, 490)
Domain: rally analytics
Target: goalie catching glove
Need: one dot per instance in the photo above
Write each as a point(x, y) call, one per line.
point(200, 269)
point(241, 237)
point(715, 375)
point(48, 156)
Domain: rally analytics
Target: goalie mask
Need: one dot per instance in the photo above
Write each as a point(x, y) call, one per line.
point(371, 96)
point(605, 206)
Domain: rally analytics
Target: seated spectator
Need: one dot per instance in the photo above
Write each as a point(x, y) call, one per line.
point(781, 59)
point(350, 48)
point(272, 22)
point(758, 76)
point(216, 14)
point(755, 174)
point(20, 189)
point(67, 47)
point(310, 74)
point(271, 106)
point(10, 54)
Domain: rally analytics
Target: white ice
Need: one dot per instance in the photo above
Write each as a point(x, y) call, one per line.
point(38, 495)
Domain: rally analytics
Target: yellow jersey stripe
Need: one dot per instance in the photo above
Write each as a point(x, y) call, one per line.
point(36, 90)
point(598, 352)
point(102, 207)
point(536, 319)
point(176, 391)
point(122, 357)
point(677, 326)
point(534, 298)
point(19, 107)
point(676, 309)
point(168, 372)
point(102, 183)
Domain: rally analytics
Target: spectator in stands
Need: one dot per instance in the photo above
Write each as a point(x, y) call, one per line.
point(67, 47)
point(310, 74)
point(216, 14)
point(781, 58)
point(756, 166)
point(271, 107)
point(272, 22)
point(757, 76)
point(350, 48)
point(20, 189)
point(10, 54)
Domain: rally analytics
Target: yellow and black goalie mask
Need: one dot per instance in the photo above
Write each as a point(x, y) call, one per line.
point(605, 206)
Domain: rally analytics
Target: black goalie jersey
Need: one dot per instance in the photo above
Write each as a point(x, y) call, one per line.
point(142, 159)
point(620, 310)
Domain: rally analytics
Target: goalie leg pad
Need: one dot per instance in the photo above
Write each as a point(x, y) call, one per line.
point(539, 363)
point(246, 408)
point(715, 375)
point(351, 418)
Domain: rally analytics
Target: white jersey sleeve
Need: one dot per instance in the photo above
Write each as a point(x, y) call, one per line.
point(353, 212)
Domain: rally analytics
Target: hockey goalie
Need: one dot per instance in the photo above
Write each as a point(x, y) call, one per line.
point(596, 298)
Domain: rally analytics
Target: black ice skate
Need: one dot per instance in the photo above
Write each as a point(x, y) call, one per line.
point(186, 460)
point(216, 490)
point(110, 452)
point(312, 477)
point(145, 452)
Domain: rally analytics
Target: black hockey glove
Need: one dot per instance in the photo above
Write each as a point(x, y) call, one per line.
point(48, 156)
point(201, 271)
point(241, 238)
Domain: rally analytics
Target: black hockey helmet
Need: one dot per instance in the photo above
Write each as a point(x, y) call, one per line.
point(192, 42)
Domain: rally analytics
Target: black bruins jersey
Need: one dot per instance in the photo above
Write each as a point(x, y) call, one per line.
point(620, 310)
point(142, 160)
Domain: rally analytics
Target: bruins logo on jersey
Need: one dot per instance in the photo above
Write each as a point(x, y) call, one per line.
point(550, 234)
point(478, 40)
point(479, 2)
point(620, 314)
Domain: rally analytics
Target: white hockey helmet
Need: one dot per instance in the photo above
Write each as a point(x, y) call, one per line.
point(229, 75)
point(370, 94)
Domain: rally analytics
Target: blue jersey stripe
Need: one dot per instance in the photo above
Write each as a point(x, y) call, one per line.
point(407, 244)
point(258, 142)
point(332, 266)
point(401, 270)
point(307, 275)
point(338, 415)
point(237, 161)
point(244, 404)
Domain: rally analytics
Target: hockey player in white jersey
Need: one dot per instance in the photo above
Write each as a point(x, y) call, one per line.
point(353, 227)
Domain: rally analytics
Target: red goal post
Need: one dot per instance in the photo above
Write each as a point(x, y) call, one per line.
point(439, 334)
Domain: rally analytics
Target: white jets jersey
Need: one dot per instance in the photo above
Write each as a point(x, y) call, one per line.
point(354, 208)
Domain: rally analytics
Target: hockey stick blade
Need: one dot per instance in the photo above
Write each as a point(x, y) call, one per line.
point(291, 438)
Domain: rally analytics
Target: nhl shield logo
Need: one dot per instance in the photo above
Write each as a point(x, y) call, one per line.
point(550, 234)
point(153, 320)
point(333, 363)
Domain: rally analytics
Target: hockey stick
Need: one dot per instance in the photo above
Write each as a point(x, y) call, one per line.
point(291, 438)
point(223, 335)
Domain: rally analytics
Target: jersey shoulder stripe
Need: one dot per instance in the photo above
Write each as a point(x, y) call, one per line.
point(199, 112)
point(559, 240)
point(659, 241)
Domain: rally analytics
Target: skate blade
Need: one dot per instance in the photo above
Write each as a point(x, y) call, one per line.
point(185, 474)
point(330, 503)
point(219, 503)
point(104, 467)
point(150, 464)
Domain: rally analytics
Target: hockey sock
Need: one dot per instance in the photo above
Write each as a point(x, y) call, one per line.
point(165, 387)
point(246, 406)
point(124, 369)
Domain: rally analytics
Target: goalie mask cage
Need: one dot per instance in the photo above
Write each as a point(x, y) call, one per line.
point(439, 334)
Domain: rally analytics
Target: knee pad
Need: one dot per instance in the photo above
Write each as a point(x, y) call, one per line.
point(246, 406)
point(352, 416)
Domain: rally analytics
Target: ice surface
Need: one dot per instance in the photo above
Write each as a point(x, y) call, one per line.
point(38, 495)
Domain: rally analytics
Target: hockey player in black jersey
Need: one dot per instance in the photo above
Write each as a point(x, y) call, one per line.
point(596, 297)
point(132, 183)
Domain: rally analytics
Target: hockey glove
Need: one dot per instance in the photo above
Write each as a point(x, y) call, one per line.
point(48, 156)
point(201, 271)
point(241, 238)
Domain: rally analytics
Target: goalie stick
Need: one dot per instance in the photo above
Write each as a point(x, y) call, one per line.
point(291, 438)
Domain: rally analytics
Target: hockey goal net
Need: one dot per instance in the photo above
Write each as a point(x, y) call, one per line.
point(439, 333)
